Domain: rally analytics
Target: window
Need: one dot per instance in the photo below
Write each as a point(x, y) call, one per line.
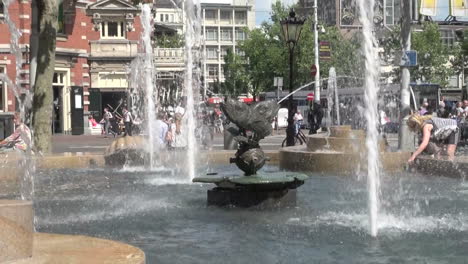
point(211, 53)
point(2, 91)
point(213, 71)
point(240, 52)
point(161, 17)
point(61, 20)
point(210, 15)
point(226, 34)
point(392, 12)
point(59, 78)
point(113, 30)
point(241, 17)
point(226, 16)
point(447, 37)
point(211, 34)
point(223, 52)
point(240, 34)
point(2, 12)
point(167, 18)
point(389, 12)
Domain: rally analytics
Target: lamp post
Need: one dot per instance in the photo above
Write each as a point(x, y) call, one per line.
point(291, 28)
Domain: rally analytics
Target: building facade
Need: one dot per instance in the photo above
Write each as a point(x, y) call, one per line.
point(96, 40)
point(224, 24)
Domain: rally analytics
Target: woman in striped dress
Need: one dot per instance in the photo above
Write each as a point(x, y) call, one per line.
point(434, 131)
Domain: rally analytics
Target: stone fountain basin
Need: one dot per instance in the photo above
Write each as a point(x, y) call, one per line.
point(300, 158)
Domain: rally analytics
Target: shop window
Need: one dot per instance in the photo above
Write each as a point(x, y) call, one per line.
point(113, 30)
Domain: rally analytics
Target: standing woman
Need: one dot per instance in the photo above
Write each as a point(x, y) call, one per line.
point(434, 131)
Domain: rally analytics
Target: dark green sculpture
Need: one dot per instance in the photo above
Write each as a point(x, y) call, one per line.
point(253, 124)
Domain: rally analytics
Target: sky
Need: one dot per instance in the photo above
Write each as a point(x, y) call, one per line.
point(263, 8)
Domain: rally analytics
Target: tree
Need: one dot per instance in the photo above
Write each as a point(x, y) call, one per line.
point(170, 41)
point(236, 79)
point(43, 93)
point(433, 56)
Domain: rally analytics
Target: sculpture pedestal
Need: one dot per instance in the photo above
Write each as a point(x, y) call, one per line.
point(16, 230)
point(263, 190)
point(251, 198)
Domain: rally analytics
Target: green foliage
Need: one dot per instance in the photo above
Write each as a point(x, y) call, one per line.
point(268, 56)
point(236, 78)
point(170, 41)
point(433, 56)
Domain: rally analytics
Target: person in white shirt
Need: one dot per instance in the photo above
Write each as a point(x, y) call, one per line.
point(128, 121)
point(298, 120)
point(162, 129)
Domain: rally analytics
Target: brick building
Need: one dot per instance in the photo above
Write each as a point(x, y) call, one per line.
point(95, 43)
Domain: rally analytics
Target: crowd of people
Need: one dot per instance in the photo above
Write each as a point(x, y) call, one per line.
point(170, 125)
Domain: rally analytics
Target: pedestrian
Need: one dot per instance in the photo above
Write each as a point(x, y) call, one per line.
point(162, 130)
point(436, 131)
point(107, 119)
point(20, 139)
point(128, 121)
point(298, 120)
point(423, 108)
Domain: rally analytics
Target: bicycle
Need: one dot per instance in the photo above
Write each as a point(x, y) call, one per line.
point(299, 139)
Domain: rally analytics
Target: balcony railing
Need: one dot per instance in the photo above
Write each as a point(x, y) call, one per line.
point(167, 57)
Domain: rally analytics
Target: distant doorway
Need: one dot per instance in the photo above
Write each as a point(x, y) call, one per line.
point(114, 100)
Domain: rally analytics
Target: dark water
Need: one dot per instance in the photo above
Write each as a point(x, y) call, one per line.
point(424, 219)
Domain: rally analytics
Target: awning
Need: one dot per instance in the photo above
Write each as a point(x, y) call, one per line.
point(214, 100)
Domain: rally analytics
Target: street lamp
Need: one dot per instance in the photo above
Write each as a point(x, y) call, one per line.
point(291, 28)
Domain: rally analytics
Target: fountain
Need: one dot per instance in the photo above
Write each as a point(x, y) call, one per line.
point(372, 63)
point(263, 189)
point(423, 218)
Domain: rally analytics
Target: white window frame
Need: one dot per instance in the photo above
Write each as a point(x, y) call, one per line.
point(240, 32)
point(212, 70)
point(212, 53)
point(240, 20)
point(214, 32)
point(224, 32)
point(225, 18)
point(210, 12)
point(224, 52)
point(447, 37)
point(120, 30)
point(389, 10)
